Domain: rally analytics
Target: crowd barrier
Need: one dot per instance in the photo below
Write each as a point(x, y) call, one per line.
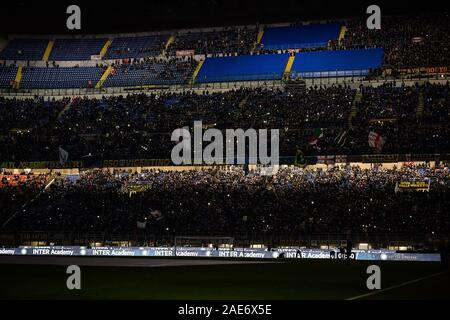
point(299, 160)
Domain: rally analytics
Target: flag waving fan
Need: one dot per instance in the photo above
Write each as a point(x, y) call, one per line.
point(63, 155)
point(317, 134)
point(376, 141)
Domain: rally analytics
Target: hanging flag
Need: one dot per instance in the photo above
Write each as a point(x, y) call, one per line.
point(63, 155)
point(326, 159)
point(341, 158)
point(317, 134)
point(376, 141)
point(341, 138)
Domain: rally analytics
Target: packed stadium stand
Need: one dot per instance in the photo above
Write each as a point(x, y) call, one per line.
point(138, 126)
point(30, 114)
point(292, 202)
point(304, 36)
point(409, 41)
point(327, 88)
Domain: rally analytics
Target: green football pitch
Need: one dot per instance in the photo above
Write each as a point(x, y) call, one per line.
point(311, 279)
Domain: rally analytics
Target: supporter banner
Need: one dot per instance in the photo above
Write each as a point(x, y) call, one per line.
point(96, 57)
point(184, 53)
point(299, 160)
point(40, 164)
point(290, 253)
point(412, 186)
point(137, 163)
point(380, 158)
point(422, 70)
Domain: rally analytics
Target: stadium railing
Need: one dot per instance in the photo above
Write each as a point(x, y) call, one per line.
point(146, 238)
point(255, 82)
point(288, 46)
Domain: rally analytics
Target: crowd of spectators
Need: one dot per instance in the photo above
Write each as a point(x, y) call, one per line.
point(138, 126)
point(152, 70)
point(389, 102)
point(18, 189)
point(436, 104)
point(409, 41)
point(230, 40)
point(294, 201)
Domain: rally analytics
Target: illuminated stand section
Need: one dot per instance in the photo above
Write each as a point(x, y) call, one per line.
point(243, 68)
point(205, 252)
point(338, 63)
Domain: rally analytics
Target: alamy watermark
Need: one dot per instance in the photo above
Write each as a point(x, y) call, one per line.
point(237, 147)
point(73, 22)
point(373, 22)
point(74, 280)
point(373, 282)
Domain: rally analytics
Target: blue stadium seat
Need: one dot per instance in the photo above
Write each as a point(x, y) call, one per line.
point(24, 49)
point(336, 63)
point(136, 47)
point(7, 75)
point(76, 49)
point(293, 37)
point(56, 78)
point(150, 73)
point(242, 68)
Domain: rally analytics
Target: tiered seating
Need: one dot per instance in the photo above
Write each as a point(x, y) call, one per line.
point(136, 47)
point(76, 49)
point(437, 104)
point(151, 72)
point(241, 68)
point(231, 40)
point(292, 37)
point(336, 63)
point(409, 41)
point(28, 113)
point(80, 77)
point(388, 102)
point(24, 49)
point(7, 75)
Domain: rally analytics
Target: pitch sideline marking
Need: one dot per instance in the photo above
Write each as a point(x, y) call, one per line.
point(397, 286)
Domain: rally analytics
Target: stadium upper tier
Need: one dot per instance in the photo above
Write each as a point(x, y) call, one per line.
point(240, 68)
point(155, 71)
point(230, 54)
point(76, 49)
point(307, 36)
point(408, 41)
point(336, 63)
point(24, 49)
point(82, 77)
